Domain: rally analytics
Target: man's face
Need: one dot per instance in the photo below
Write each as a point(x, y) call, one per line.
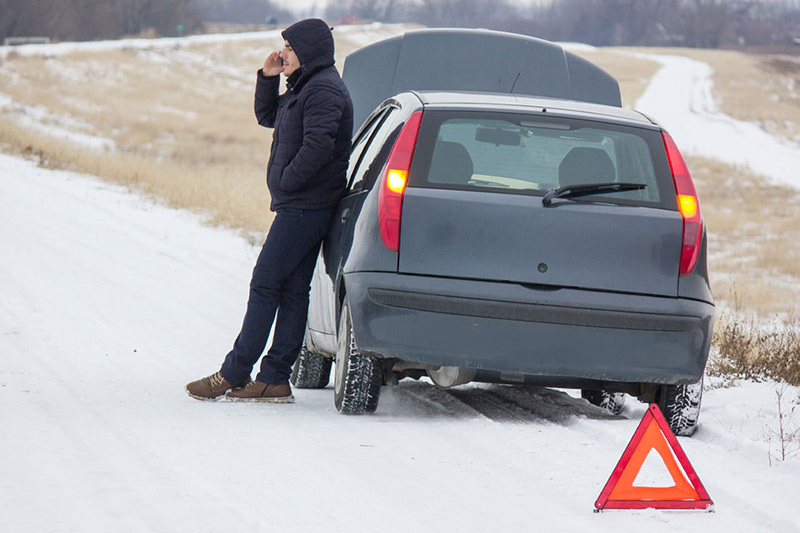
point(290, 61)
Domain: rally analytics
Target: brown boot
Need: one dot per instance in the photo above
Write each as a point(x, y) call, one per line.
point(255, 391)
point(210, 387)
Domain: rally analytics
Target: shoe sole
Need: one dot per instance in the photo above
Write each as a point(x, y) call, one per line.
point(281, 399)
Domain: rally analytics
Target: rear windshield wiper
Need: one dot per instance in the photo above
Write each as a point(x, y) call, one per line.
point(574, 191)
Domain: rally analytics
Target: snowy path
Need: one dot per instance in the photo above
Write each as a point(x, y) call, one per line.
point(110, 304)
point(679, 96)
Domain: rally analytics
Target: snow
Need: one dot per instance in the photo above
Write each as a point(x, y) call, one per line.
point(363, 35)
point(61, 49)
point(361, 32)
point(59, 126)
point(577, 47)
point(680, 97)
point(111, 302)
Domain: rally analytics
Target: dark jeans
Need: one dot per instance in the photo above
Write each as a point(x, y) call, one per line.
point(281, 282)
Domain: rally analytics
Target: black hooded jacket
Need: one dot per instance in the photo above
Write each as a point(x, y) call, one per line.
point(313, 123)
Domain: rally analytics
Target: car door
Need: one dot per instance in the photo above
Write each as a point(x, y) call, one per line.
point(322, 313)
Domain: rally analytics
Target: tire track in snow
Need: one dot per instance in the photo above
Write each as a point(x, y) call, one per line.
point(499, 403)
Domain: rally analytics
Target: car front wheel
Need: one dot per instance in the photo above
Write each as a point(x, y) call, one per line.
point(358, 376)
point(311, 370)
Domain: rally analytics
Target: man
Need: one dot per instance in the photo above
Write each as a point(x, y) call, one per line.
point(313, 124)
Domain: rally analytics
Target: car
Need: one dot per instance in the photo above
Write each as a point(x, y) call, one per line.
point(513, 225)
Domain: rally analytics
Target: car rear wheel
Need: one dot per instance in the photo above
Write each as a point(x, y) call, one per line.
point(609, 401)
point(311, 370)
point(358, 376)
point(680, 405)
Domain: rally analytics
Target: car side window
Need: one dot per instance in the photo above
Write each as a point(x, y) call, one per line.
point(375, 153)
point(360, 143)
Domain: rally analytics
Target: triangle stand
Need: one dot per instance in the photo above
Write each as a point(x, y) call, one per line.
point(687, 492)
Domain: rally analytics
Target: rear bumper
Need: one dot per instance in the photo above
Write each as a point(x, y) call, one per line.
point(564, 335)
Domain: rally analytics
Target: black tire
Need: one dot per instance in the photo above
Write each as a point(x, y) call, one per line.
point(358, 376)
point(680, 405)
point(311, 370)
point(608, 401)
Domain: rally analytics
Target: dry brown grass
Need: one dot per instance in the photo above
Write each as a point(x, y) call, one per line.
point(181, 121)
point(748, 348)
point(233, 196)
point(754, 229)
point(183, 130)
point(632, 73)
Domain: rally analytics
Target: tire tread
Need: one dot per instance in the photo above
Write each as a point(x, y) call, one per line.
point(311, 370)
point(363, 378)
point(612, 402)
point(680, 405)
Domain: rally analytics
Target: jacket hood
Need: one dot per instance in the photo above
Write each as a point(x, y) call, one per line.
point(312, 41)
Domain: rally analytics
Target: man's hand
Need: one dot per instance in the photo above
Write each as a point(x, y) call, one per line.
point(272, 65)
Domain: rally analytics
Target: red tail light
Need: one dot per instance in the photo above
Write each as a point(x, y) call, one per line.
point(689, 206)
point(393, 182)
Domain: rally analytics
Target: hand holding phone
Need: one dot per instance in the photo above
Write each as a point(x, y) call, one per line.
point(273, 64)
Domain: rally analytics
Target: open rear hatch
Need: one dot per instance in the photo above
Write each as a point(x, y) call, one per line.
point(446, 59)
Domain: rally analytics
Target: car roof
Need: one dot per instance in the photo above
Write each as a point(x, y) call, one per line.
point(514, 102)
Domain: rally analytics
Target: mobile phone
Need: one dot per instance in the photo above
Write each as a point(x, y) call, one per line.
point(281, 60)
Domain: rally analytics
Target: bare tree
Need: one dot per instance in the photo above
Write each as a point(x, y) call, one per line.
point(94, 19)
point(242, 11)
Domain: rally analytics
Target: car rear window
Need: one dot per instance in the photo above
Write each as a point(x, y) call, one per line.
point(532, 154)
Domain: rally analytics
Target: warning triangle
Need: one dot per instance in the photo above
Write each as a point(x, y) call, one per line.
point(653, 436)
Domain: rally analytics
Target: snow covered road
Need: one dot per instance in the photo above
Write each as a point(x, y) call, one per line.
point(111, 303)
point(680, 97)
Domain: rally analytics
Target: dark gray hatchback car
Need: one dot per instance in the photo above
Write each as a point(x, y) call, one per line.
point(542, 236)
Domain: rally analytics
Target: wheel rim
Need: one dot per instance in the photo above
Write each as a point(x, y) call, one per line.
point(342, 350)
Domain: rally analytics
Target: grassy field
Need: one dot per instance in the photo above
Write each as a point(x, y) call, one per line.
point(179, 120)
point(177, 123)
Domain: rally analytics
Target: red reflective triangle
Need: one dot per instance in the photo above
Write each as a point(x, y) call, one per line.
point(653, 433)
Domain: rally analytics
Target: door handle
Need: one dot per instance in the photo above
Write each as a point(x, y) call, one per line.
point(345, 214)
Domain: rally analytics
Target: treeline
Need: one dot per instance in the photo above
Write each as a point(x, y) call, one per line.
point(693, 23)
point(81, 20)
point(243, 12)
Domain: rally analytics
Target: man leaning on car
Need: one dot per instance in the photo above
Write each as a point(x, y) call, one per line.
point(313, 125)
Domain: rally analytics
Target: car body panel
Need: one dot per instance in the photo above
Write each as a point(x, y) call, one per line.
point(627, 338)
point(506, 237)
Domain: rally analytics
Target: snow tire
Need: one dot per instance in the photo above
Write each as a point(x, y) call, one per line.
point(311, 370)
point(680, 405)
point(608, 401)
point(358, 376)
